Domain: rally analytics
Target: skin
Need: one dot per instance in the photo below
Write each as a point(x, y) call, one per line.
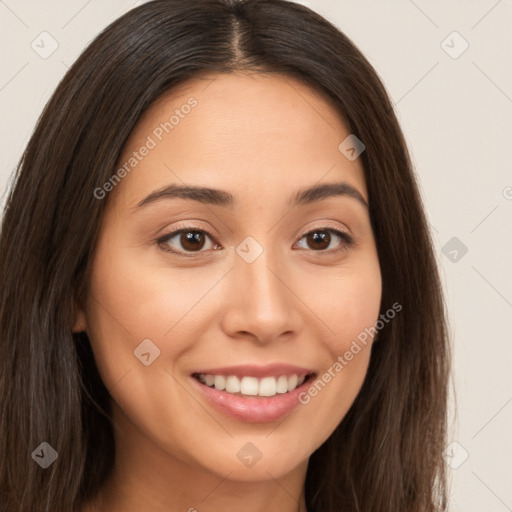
point(261, 138)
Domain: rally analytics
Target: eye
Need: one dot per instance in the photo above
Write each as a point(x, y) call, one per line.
point(321, 239)
point(188, 239)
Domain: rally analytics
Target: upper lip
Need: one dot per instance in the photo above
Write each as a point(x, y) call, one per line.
point(250, 370)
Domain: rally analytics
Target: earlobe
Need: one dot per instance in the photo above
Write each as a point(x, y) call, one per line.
point(80, 324)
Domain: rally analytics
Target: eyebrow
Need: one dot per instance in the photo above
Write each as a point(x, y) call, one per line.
point(212, 196)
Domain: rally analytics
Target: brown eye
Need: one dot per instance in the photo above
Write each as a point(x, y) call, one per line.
point(183, 241)
point(192, 240)
point(320, 240)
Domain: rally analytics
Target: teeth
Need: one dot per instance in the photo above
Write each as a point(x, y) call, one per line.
point(233, 384)
point(249, 386)
point(292, 382)
point(282, 384)
point(267, 386)
point(220, 382)
point(252, 386)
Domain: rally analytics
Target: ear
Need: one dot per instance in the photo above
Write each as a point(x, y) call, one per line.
point(80, 324)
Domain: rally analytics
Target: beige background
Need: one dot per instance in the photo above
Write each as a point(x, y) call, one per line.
point(456, 114)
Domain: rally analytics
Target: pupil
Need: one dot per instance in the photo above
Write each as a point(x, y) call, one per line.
point(323, 237)
point(192, 240)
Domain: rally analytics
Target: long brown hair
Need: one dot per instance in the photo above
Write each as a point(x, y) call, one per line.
point(386, 454)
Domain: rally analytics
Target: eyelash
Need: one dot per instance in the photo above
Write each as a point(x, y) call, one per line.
point(347, 240)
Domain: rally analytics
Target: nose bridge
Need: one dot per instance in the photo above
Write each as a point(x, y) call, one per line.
point(262, 304)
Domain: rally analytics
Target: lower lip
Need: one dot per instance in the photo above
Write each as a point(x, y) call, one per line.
point(253, 409)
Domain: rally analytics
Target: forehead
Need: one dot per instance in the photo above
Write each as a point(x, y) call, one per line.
point(240, 132)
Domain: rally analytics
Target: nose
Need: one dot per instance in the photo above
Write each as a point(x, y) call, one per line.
point(260, 303)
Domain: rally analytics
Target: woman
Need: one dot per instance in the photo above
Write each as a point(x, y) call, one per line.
point(219, 288)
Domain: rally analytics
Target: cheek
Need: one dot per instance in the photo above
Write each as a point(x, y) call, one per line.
point(355, 315)
point(358, 306)
point(135, 310)
point(349, 305)
point(135, 299)
point(141, 297)
point(122, 310)
point(345, 300)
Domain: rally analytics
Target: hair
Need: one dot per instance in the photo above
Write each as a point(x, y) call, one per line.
point(386, 453)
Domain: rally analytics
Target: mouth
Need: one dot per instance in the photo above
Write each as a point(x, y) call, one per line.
point(250, 386)
point(253, 394)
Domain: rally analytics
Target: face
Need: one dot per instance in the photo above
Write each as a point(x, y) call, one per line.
point(243, 282)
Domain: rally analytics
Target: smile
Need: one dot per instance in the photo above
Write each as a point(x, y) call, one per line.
point(252, 386)
point(251, 393)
